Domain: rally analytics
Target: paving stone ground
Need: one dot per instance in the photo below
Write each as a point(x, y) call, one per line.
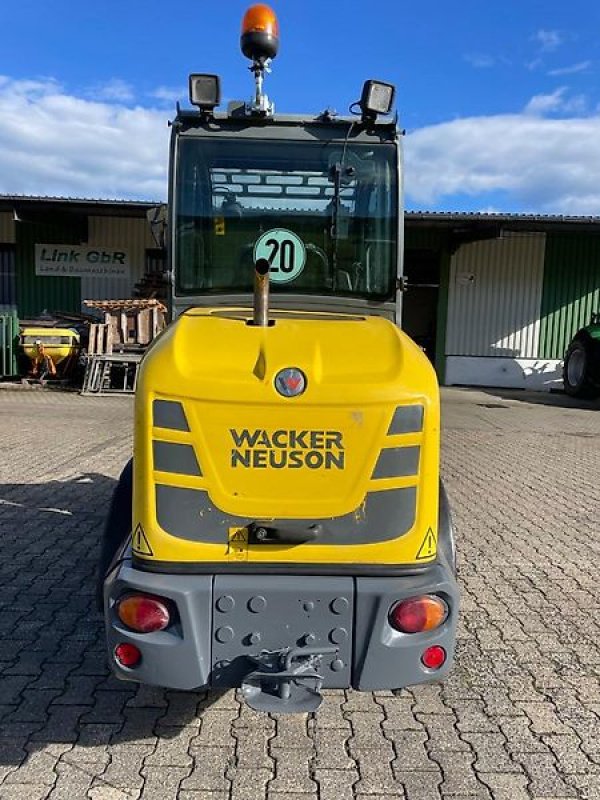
point(519, 718)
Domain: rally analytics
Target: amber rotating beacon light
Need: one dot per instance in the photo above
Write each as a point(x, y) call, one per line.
point(259, 42)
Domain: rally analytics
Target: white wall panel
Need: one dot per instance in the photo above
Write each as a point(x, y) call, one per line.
point(494, 297)
point(540, 375)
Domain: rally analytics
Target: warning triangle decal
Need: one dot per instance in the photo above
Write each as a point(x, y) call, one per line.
point(428, 546)
point(140, 544)
point(239, 537)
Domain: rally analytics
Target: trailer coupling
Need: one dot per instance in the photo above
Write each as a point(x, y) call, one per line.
point(286, 681)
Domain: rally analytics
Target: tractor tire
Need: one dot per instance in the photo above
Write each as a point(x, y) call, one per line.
point(116, 529)
point(446, 542)
point(579, 369)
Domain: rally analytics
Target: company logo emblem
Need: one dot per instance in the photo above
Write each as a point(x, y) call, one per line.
point(290, 382)
point(284, 448)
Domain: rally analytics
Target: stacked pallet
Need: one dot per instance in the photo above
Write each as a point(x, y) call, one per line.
point(133, 323)
point(117, 344)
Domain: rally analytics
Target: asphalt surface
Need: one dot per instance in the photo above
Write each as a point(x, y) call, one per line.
point(519, 718)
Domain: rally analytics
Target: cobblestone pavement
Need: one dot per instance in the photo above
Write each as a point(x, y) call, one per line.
point(519, 717)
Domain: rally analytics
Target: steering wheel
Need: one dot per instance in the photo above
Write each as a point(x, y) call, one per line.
point(322, 256)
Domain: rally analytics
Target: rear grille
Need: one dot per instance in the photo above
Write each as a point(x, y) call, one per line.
point(170, 415)
point(178, 458)
point(407, 419)
point(397, 462)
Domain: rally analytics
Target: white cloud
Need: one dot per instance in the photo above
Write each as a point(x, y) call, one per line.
point(548, 40)
point(170, 94)
point(576, 105)
point(581, 66)
point(538, 164)
point(54, 143)
point(479, 60)
point(546, 103)
point(115, 90)
point(556, 102)
point(534, 64)
point(488, 210)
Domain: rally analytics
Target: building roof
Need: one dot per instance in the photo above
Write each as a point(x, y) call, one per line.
point(77, 205)
point(472, 220)
point(449, 220)
point(468, 215)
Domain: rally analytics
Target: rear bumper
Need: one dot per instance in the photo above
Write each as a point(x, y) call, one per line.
point(207, 647)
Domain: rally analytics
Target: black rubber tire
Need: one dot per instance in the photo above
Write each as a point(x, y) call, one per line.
point(446, 543)
point(584, 387)
point(117, 527)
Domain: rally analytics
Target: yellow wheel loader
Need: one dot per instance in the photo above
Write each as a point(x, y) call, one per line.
point(282, 525)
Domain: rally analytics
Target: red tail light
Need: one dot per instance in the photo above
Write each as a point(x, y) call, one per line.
point(143, 613)
point(128, 655)
point(434, 657)
point(418, 614)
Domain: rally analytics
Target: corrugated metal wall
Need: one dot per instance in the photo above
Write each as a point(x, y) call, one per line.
point(571, 289)
point(38, 293)
point(8, 290)
point(132, 235)
point(9, 333)
point(494, 297)
point(35, 293)
point(7, 228)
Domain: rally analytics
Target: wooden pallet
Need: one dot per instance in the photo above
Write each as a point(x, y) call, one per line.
point(100, 342)
point(130, 323)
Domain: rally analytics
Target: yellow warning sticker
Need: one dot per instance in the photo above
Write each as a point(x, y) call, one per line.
point(139, 543)
point(428, 547)
point(219, 226)
point(238, 544)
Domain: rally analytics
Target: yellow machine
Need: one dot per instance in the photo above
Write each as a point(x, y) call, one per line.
point(60, 344)
point(258, 454)
point(282, 525)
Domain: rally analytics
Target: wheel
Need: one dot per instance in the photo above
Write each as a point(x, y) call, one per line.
point(579, 368)
point(117, 527)
point(446, 542)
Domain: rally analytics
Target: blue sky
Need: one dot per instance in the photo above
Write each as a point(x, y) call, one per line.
point(500, 100)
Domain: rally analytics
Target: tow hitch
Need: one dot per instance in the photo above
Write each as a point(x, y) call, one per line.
point(286, 681)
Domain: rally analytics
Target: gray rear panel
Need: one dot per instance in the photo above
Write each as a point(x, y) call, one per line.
point(250, 615)
point(223, 619)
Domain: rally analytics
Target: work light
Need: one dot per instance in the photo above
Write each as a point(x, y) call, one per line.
point(205, 91)
point(377, 98)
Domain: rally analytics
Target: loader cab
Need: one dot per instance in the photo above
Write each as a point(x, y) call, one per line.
point(319, 198)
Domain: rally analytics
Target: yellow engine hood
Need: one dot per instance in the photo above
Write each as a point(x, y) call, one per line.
point(217, 446)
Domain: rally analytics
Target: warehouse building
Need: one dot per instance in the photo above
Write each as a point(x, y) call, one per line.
point(503, 294)
point(493, 299)
point(55, 252)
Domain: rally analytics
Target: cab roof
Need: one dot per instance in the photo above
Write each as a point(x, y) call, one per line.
point(285, 126)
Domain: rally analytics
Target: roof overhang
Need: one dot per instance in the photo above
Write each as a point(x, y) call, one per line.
point(23, 204)
point(472, 223)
